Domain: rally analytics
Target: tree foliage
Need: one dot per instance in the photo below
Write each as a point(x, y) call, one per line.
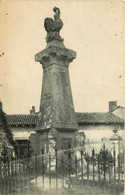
point(6, 129)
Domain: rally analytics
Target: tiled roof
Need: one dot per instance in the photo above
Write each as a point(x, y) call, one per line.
point(98, 117)
point(21, 119)
point(85, 118)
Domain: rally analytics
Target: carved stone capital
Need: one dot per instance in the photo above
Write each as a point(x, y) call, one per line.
point(55, 55)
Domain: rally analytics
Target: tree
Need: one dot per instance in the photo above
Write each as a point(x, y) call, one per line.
point(7, 131)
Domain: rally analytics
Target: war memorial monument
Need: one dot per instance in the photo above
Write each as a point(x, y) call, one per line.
point(56, 122)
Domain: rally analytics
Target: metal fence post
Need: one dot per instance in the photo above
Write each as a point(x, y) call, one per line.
point(36, 174)
point(19, 164)
point(56, 168)
point(81, 152)
point(43, 167)
point(109, 167)
point(99, 168)
point(119, 162)
point(93, 160)
point(28, 180)
point(114, 153)
point(8, 176)
point(62, 172)
point(87, 157)
point(76, 165)
point(49, 171)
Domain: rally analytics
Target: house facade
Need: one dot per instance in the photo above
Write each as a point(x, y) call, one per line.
point(97, 126)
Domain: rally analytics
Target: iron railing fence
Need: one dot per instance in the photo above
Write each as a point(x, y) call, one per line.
point(66, 170)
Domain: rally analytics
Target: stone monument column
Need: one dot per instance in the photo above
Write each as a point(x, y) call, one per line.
point(56, 118)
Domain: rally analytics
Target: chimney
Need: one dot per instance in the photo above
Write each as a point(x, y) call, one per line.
point(112, 105)
point(32, 111)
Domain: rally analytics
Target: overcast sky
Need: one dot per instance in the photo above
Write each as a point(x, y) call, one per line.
point(94, 29)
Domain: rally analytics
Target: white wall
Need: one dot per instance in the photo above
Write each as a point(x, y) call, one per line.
point(22, 132)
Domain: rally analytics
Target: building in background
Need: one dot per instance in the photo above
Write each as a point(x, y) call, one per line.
point(97, 126)
point(116, 110)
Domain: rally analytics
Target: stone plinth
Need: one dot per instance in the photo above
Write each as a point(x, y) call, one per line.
point(56, 116)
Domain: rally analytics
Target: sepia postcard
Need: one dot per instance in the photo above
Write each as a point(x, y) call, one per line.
point(62, 97)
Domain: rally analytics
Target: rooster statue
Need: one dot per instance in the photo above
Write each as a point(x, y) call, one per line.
point(53, 27)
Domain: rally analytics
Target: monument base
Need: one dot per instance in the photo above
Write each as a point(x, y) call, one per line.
point(47, 140)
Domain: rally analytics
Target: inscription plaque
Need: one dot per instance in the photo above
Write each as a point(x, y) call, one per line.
point(63, 114)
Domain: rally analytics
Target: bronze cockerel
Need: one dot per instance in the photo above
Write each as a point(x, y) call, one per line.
point(53, 27)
